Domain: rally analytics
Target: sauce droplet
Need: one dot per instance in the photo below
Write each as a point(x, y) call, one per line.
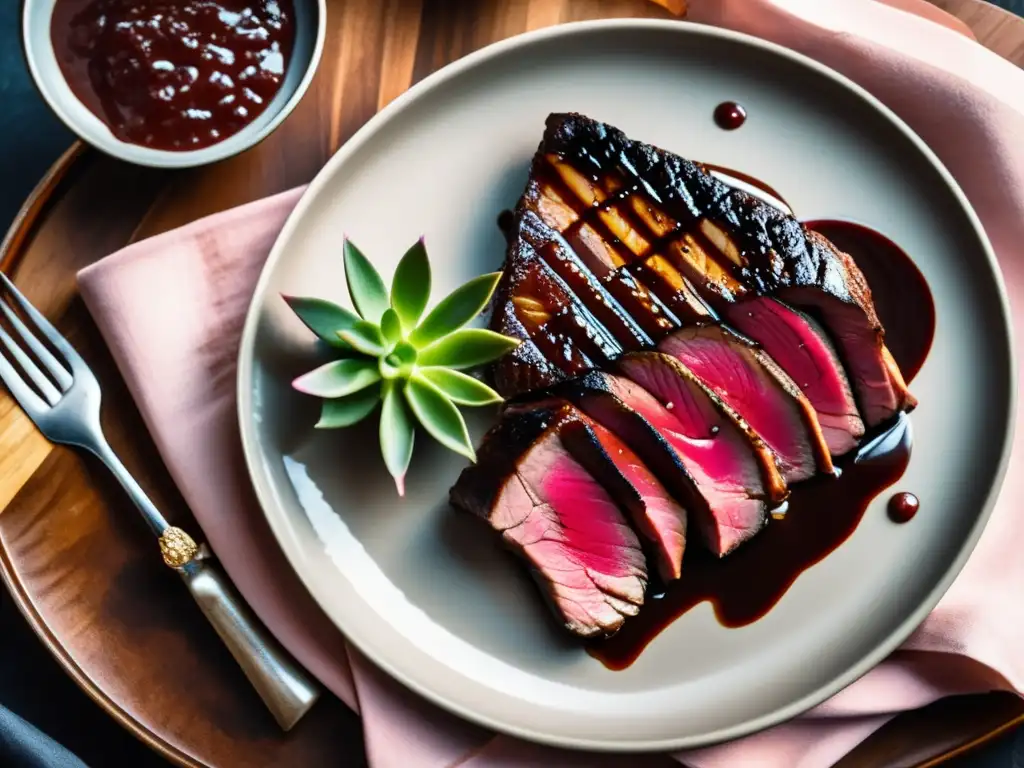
point(729, 115)
point(903, 507)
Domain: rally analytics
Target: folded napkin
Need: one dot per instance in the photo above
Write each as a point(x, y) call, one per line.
point(171, 310)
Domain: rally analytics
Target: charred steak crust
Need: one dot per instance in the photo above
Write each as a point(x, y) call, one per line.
point(662, 217)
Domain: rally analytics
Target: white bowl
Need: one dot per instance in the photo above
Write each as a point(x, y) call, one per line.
point(310, 25)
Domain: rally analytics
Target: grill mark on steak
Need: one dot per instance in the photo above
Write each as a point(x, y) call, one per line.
point(698, 246)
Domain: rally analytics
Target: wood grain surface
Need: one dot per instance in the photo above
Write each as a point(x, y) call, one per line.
point(73, 552)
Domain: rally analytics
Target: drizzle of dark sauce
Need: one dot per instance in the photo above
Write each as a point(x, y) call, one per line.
point(822, 513)
point(745, 585)
point(902, 507)
point(729, 115)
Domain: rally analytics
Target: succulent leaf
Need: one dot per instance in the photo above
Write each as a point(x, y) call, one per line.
point(366, 338)
point(397, 434)
point(439, 416)
point(455, 310)
point(405, 353)
point(323, 318)
point(391, 327)
point(459, 387)
point(339, 378)
point(467, 348)
point(410, 287)
point(346, 411)
point(365, 285)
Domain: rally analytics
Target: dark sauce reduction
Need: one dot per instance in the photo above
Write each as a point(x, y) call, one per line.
point(742, 587)
point(729, 115)
point(898, 288)
point(902, 507)
point(821, 513)
point(174, 74)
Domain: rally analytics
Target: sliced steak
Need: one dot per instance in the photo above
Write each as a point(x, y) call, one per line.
point(799, 345)
point(659, 518)
point(693, 246)
point(753, 385)
point(773, 254)
point(702, 455)
point(553, 513)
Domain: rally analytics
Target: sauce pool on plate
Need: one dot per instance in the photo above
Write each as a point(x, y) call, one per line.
point(174, 74)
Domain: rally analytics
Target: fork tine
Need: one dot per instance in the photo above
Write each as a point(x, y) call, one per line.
point(73, 358)
point(28, 366)
point(56, 369)
point(30, 402)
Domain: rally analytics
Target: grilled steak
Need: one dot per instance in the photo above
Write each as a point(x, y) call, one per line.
point(635, 215)
point(750, 382)
point(700, 452)
point(659, 518)
point(798, 344)
point(550, 510)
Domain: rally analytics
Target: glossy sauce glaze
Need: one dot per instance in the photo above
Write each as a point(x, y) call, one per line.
point(821, 513)
point(902, 507)
point(729, 115)
point(174, 74)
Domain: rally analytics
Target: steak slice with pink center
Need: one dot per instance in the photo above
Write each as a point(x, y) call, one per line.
point(756, 388)
point(658, 517)
point(709, 465)
point(552, 512)
point(802, 349)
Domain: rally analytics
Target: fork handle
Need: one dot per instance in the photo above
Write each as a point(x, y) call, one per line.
point(286, 689)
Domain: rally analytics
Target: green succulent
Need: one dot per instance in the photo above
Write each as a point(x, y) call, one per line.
point(390, 354)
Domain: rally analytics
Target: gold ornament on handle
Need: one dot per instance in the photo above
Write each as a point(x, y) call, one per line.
point(178, 548)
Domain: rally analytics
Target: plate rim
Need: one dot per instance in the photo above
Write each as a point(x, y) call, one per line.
point(275, 518)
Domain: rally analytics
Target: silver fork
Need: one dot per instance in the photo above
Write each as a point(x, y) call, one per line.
point(65, 406)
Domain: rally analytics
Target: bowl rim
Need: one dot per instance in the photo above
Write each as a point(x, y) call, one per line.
point(265, 495)
point(137, 154)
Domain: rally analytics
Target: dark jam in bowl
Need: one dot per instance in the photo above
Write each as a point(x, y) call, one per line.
point(174, 74)
point(729, 115)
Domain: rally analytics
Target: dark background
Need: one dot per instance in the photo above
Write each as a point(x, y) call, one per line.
point(32, 684)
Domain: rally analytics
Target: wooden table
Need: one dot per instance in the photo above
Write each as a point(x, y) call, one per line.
point(75, 557)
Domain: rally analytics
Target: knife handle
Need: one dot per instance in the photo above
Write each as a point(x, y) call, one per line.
point(286, 689)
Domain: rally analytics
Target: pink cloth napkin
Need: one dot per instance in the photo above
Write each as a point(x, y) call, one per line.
point(171, 310)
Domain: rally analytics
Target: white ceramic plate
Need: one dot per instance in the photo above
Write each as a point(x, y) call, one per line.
point(427, 592)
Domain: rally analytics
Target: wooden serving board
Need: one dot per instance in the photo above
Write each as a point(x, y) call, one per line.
point(73, 552)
